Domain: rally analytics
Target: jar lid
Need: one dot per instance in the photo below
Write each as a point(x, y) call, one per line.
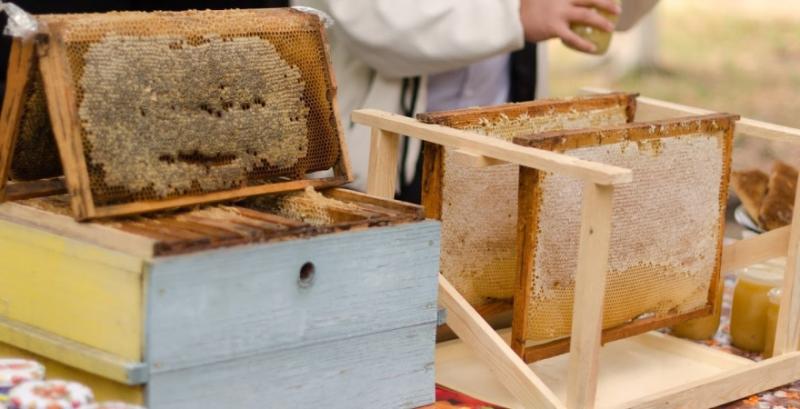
point(112, 405)
point(774, 295)
point(16, 371)
point(54, 394)
point(763, 274)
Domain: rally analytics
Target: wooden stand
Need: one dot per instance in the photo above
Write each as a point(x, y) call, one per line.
point(583, 367)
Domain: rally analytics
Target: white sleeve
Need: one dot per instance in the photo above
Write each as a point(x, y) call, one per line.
point(401, 38)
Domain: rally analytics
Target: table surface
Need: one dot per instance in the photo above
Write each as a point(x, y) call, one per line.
point(785, 397)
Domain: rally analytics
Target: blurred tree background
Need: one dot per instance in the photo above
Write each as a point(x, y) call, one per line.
point(738, 56)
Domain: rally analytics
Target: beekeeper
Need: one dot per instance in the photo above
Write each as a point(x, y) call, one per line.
point(408, 56)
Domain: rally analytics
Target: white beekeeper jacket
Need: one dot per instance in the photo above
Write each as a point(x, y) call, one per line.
point(377, 43)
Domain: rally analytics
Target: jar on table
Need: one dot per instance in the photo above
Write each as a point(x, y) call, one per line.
point(601, 39)
point(773, 309)
point(53, 394)
point(16, 371)
point(705, 327)
point(750, 304)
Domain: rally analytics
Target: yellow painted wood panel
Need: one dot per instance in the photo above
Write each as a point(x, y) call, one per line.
point(104, 389)
point(78, 291)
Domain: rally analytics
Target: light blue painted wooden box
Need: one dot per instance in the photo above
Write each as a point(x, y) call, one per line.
point(234, 320)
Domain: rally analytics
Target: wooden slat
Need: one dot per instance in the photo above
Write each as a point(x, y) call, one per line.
point(747, 252)
point(787, 336)
point(37, 188)
point(590, 284)
point(561, 346)
point(493, 350)
point(726, 387)
point(213, 197)
point(432, 175)
point(72, 353)
point(383, 204)
point(494, 148)
point(382, 176)
point(102, 236)
point(63, 109)
point(527, 214)
point(652, 109)
point(268, 217)
point(469, 159)
point(20, 66)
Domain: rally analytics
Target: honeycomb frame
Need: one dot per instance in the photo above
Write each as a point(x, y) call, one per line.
point(500, 180)
point(62, 52)
point(647, 139)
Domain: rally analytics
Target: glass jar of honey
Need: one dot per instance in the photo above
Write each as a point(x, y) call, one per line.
point(750, 304)
point(601, 39)
point(773, 308)
point(705, 327)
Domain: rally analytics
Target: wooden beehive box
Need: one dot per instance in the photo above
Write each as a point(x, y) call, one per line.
point(298, 298)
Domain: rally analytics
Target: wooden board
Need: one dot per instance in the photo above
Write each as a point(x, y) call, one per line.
point(202, 311)
point(73, 289)
point(392, 369)
point(629, 369)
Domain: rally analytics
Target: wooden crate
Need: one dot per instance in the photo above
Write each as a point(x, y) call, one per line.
point(572, 381)
point(230, 305)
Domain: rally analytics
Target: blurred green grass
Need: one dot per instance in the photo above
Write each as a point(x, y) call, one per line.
point(743, 63)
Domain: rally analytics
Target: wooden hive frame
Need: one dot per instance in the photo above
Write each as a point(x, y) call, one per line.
point(435, 167)
point(47, 52)
point(599, 181)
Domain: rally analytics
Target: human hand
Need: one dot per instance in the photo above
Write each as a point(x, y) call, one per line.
point(546, 19)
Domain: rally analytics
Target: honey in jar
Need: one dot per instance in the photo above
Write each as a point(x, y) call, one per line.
point(750, 304)
point(601, 39)
point(704, 327)
point(773, 308)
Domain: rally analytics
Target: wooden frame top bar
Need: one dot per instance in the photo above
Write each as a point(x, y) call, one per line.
point(638, 131)
point(494, 148)
point(459, 117)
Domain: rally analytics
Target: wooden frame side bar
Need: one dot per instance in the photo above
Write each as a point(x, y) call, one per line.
point(473, 330)
point(590, 284)
point(787, 335)
point(383, 158)
point(20, 65)
point(497, 149)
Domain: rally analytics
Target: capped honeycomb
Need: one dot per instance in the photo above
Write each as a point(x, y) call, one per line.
point(666, 227)
point(307, 206)
point(35, 152)
point(185, 103)
point(479, 205)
